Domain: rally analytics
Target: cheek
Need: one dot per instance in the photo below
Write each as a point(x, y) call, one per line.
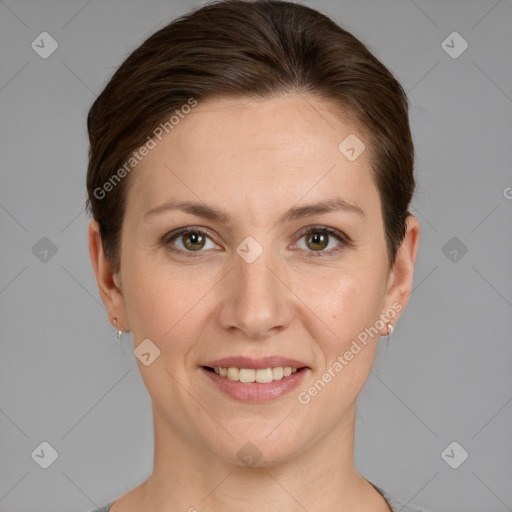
point(345, 301)
point(351, 307)
point(157, 300)
point(165, 310)
point(355, 304)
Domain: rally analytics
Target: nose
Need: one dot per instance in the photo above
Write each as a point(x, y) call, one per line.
point(255, 301)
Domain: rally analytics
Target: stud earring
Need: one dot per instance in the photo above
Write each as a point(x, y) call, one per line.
point(119, 332)
point(390, 328)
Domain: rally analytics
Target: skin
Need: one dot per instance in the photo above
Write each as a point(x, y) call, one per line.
point(254, 160)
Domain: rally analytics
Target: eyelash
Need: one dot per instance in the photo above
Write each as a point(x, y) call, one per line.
point(343, 239)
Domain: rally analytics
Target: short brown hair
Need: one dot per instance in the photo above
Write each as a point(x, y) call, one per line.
point(253, 49)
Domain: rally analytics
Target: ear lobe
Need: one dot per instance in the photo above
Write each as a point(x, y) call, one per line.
point(108, 283)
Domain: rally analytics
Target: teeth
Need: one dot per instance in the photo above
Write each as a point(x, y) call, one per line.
point(260, 375)
point(247, 375)
point(264, 375)
point(277, 373)
point(233, 374)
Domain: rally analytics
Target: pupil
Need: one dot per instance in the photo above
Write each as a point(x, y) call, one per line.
point(319, 239)
point(192, 239)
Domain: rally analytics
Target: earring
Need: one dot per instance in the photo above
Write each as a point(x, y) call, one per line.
point(390, 328)
point(119, 332)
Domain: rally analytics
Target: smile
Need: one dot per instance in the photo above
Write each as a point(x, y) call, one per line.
point(248, 375)
point(254, 385)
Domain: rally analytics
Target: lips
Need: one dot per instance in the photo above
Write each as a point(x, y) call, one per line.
point(255, 379)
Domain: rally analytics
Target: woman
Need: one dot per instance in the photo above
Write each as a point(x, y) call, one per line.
point(250, 173)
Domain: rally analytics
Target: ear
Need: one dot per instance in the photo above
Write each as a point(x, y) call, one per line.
point(109, 284)
point(400, 279)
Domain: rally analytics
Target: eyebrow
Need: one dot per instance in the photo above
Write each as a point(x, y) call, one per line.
point(294, 213)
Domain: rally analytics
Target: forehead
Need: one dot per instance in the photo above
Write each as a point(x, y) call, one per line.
point(257, 152)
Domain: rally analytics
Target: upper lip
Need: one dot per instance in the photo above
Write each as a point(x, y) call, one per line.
point(256, 363)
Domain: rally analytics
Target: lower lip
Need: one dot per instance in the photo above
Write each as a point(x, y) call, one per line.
point(256, 392)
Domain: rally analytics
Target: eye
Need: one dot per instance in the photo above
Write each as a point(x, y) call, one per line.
point(320, 238)
point(188, 240)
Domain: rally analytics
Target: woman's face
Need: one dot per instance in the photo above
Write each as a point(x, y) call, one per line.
point(250, 285)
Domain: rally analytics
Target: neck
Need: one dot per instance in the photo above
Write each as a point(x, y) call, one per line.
point(322, 477)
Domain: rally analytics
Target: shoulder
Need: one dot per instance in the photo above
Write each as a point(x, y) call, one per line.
point(396, 504)
point(105, 508)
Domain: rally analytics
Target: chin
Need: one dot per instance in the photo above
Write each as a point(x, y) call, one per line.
point(257, 453)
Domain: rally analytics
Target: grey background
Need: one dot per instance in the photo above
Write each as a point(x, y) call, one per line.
point(443, 375)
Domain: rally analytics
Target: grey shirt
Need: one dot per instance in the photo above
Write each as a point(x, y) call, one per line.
point(395, 504)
